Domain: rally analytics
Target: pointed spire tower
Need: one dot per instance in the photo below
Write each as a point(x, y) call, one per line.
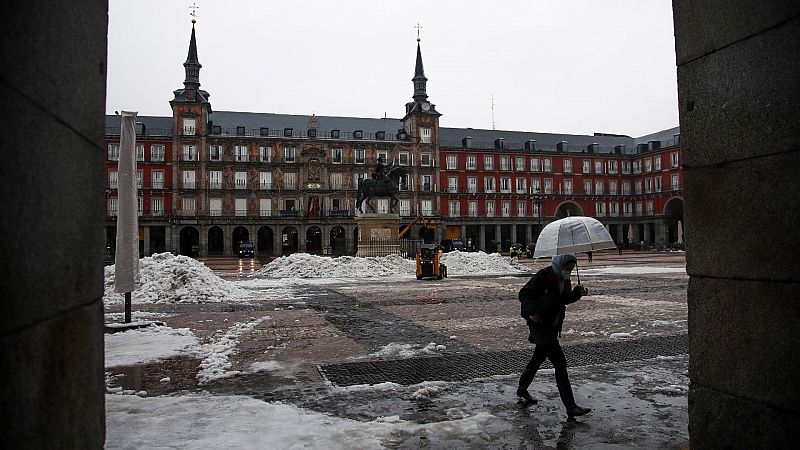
point(191, 92)
point(190, 107)
point(421, 121)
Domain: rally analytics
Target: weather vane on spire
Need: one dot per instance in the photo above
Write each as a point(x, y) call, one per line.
point(194, 9)
point(418, 27)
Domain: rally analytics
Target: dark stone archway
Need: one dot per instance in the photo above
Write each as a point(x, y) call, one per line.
point(568, 209)
point(289, 241)
point(190, 242)
point(216, 241)
point(240, 234)
point(338, 241)
point(314, 240)
point(266, 241)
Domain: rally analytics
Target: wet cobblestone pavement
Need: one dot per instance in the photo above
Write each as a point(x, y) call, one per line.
point(346, 330)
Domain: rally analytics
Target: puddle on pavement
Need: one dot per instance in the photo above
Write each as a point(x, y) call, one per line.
point(181, 371)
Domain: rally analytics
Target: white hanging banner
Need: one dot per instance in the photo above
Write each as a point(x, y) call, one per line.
point(126, 267)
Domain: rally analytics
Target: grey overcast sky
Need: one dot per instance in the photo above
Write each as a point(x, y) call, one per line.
point(556, 66)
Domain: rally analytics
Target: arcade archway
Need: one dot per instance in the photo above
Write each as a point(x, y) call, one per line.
point(289, 241)
point(216, 241)
point(190, 241)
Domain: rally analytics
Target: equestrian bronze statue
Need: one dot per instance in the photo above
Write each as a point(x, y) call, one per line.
point(385, 182)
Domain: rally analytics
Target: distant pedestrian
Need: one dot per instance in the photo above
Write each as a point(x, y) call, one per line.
point(543, 306)
point(589, 255)
point(619, 248)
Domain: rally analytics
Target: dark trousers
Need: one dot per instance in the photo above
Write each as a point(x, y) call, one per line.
point(555, 354)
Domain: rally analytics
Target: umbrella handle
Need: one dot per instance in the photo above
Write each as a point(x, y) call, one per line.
point(578, 273)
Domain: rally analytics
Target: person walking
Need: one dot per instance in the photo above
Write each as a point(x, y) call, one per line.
point(543, 306)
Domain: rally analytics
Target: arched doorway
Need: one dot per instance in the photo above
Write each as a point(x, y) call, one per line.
point(266, 241)
point(240, 234)
point(673, 211)
point(190, 241)
point(314, 240)
point(289, 241)
point(568, 209)
point(216, 241)
point(338, 241)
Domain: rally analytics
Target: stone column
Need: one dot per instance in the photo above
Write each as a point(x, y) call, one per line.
point(464, 233)
point(482, 238)
point(277, 241)
point(227, 240)
point(738, 95)
point(528, 235)
point(146, 238)
point(52, 82)
point(498, 237)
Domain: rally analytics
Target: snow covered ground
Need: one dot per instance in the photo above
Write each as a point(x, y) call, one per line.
point(628, 270)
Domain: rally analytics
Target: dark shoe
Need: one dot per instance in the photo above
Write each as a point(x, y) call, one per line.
point(526, 397)
point(577, 411)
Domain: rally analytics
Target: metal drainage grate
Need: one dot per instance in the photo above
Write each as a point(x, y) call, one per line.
point(467, 366)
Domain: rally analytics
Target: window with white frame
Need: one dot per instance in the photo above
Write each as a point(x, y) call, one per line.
point(626, 167)
point(612, 167)
point(673, 157)
point(522, 186)
point(454, 208)
point(657, 163)
point(188, 179)
point(384, 155)
point(675, 182)
point(649, 207)
point(290, 180)
point(536, 185)
point(405, 182)
point(535, 166)
point(587, 187)
point(240, 180)
point(648, 165)
point(598, 167)
point(336, 204)
point(188, 206)
point(215, 207)
point(403, 158)
point(140, 205)
point(265, 207)
point(548, 185)
point(613, 209)
point(648, 185)
point(626, 209)
point(427, 207)
point(637, 187)
point(519, 163)
point(639, 208)
point(505, 208)
point(425, 135)
point(139, 152)
point(612, 187)
point(599, 209)
point(360, 155)
point(548, 165)
point(214, 152)
point(337, 180)
point(452, 184)
point(241, 153)
point(505, 185)
point(358, 177)
point(113, 152)
point(265, 153)
point(157, 206)
point(488, 185)
point(472, 208)
point(488, 162)
point(536, 209)
point(472, 162)
point(189, 126)
point(405, 207)
point(336, 155)
point(113, 179)
point(659, 186)
point(505, 163)
point(427, 184)
point(157, 179)
point(452, 162)
point(472, 185)
point(489, 208)
point(520, 208)
point(289, 204)
point(189, 153)
point(265, 180)
point(637, 167)
point(568, 187)
point(241, 206)
point(567, 165)
point(157, 153)
point(425, 159)
point(139, 178)
point(587, 166)
point(112, 206)
point(288, 154)
point(598, 187)
point(626, 188)
point(215, 179)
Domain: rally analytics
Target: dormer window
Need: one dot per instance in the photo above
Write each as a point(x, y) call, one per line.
point(380, 135)
point(287, 132)
point(240, 131)
point(263, 131)
point(189, 127)
point(358, 134)
point(335, 134)
point(312, 133)
point(216, 129)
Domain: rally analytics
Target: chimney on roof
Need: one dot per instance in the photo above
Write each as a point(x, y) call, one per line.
point(530, 144)
point(561, 146)
point(467, 142)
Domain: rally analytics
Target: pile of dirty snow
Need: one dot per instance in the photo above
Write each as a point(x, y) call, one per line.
point(311, 266)
point(304, 265)
point(166, 278)
point(480, 263)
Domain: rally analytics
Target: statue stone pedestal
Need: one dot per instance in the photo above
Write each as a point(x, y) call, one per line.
point(378, 234)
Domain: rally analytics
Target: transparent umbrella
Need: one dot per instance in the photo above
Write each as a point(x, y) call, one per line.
point(574, 234)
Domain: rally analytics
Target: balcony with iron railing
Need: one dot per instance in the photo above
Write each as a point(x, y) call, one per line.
point(291, 133)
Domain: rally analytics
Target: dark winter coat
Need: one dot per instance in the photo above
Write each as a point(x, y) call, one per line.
point(541, 295)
